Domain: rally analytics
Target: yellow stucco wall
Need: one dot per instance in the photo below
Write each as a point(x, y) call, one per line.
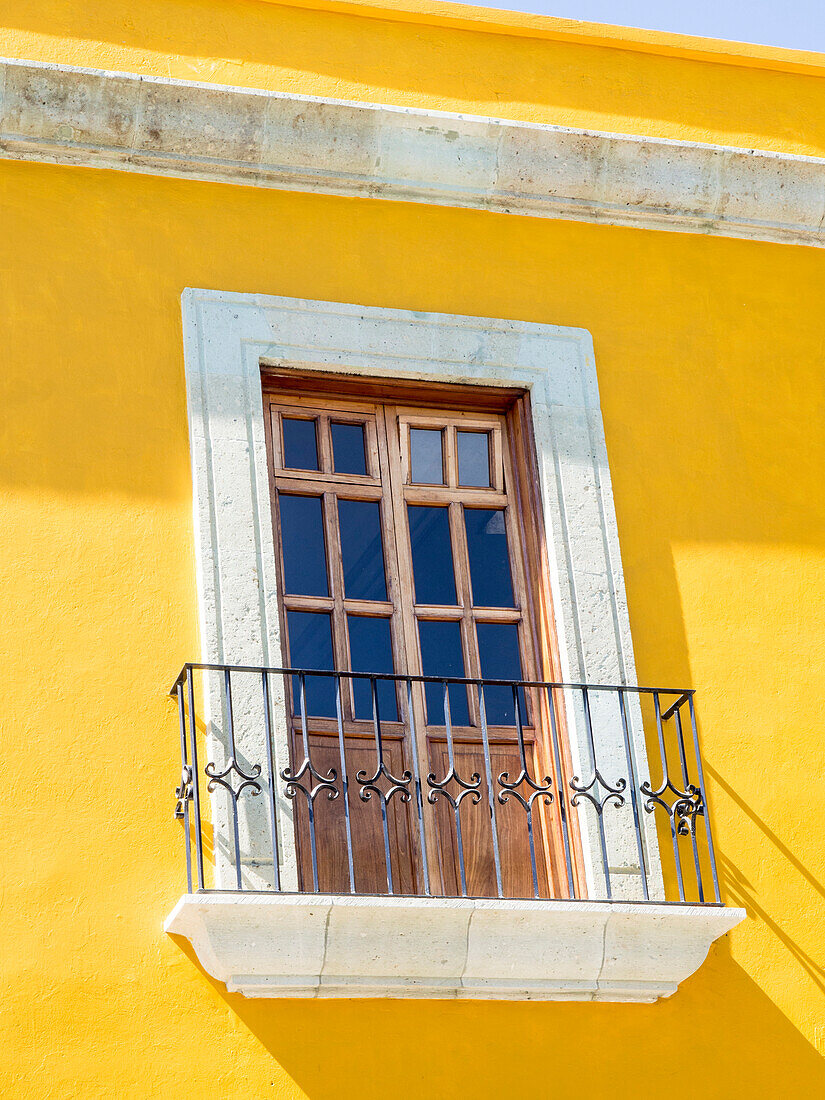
point(710, 359)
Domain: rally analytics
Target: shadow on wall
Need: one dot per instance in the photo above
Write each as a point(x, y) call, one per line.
point(435, 1049)
point(740, 891)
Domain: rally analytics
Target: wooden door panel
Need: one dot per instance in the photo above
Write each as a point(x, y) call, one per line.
point(481, 481)
point(476, 827)
point(365, 822)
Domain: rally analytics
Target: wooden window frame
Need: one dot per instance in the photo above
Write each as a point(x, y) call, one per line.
point(309, 389)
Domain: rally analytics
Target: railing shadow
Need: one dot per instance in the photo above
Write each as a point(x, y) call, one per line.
point(739, 890)
point(325, 1045)
point(769, 833)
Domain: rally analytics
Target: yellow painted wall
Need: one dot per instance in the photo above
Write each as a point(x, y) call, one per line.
point(257, 44)
point(710, 356)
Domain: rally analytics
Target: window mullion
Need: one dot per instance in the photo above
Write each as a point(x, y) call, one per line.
point(340, 647)
point(461, 565)
point(407, 631)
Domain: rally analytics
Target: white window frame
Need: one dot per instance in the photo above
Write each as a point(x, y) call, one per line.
point(227, 338)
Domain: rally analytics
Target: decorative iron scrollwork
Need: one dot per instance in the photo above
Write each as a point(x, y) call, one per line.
point(183, 793)
point(249, 780)
point(683, 811)
point(539, 790)
point(398, 787)
point(438, 788)
point(398, 784)
point(590, 791)
point(323, 783)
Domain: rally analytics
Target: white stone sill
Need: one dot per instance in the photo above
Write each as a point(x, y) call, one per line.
point(322, 945)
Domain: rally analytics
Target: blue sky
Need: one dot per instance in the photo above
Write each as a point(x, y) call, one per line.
point(797, 24)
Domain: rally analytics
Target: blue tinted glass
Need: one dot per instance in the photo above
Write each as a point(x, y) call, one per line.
point(500, 660)
point(432, 554)
point(473, 458)
point(370, 648)
point(489, 560)
point(426, 462)
point(362, 550)
point(441, 655)
point(302, 539)
point(310, 646)
point(348, 454)
point(300, 444)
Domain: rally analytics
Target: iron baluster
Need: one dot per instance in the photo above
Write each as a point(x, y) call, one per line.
point(369, 786)
point(634, 798)
point(196, 797)
point(692, 808)
point(249, 781)
point(439, 789)
point(654, 797)
point(565, 824)
point(310, 792)
point(585, 790)
point(491, 798)
point(702, 789)
point(184, 791)
point(508, 789)
point(271, 780)
point(419, 797)
point(344, 782)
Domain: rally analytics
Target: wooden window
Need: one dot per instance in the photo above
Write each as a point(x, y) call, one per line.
point(408, 540)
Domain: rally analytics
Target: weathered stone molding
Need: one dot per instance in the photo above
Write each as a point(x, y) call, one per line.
point(460, 948)
point(227, 336)
point(66, 115)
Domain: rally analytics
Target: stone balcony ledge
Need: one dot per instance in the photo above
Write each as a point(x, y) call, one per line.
point(323, 945)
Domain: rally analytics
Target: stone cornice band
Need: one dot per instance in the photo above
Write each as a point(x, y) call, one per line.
point(86, 117)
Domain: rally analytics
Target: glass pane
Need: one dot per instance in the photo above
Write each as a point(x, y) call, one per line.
point(370, 648)
point(300, 444)
point(348, 454)
point(489, 560)
point(500, 660)
point(432, 554)
point(426, 463)
point(302, 538)
point(310, 646)
point(362, 549)
point(441, 655)
point(473, 458)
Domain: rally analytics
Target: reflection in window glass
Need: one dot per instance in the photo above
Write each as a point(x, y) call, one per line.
point(473, 458)
point(489, 560)
point(441, 655)
point(432, 554)
point(362, 549)
point(500, 660)
point(348, 454)
point(304, 549)
point(426, 461)
point(310, 646)
point(370, 648)
point(300, 444)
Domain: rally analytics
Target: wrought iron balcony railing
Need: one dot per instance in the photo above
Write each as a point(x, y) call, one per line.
point(326, 782)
